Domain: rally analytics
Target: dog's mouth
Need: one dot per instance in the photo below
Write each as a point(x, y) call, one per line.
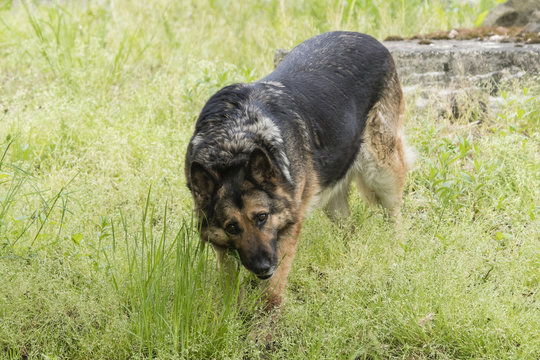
point(265, 276)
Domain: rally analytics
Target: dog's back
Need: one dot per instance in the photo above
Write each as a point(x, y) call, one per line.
point(336, 79)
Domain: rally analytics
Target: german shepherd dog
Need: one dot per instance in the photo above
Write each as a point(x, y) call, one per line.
point(264, 153)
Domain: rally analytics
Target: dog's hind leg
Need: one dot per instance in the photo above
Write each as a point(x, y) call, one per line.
point(382, 184)
point(383, 158)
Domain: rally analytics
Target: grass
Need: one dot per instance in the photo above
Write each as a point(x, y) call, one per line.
point(97, 103)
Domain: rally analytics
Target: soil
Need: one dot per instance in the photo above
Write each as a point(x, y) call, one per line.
point(495, 33)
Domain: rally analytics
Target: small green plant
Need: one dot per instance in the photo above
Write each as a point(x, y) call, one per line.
point(17, 222)
point(519, 111)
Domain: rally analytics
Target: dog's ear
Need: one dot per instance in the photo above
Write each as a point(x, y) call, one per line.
point(203, 183)
point(261, 167)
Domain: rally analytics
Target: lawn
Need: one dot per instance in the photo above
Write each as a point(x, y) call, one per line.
point(98, 255)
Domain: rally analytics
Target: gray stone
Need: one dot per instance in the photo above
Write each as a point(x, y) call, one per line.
point(534, 24)
point(512, 13)
point(524, 6)
point(502, 15)
point(533, 27)
point(456, 62)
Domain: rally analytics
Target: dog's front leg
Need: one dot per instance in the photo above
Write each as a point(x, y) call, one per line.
point(275, 286)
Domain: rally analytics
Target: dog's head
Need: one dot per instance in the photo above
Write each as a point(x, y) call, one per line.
point(244, 208)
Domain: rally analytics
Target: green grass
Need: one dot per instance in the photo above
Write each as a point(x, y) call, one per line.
point(97, 103)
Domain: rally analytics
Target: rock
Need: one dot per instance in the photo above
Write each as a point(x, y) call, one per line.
point(501, 15)
point(534, 25)
point(525, 6)
point(513, 13)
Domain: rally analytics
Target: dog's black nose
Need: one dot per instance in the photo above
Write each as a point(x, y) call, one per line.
point(263, 269)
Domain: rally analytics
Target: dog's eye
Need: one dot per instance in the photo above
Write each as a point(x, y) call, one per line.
point(232, 229)
point(261, 218)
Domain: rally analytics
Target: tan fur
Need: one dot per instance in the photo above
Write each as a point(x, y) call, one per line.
point(381, 164)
